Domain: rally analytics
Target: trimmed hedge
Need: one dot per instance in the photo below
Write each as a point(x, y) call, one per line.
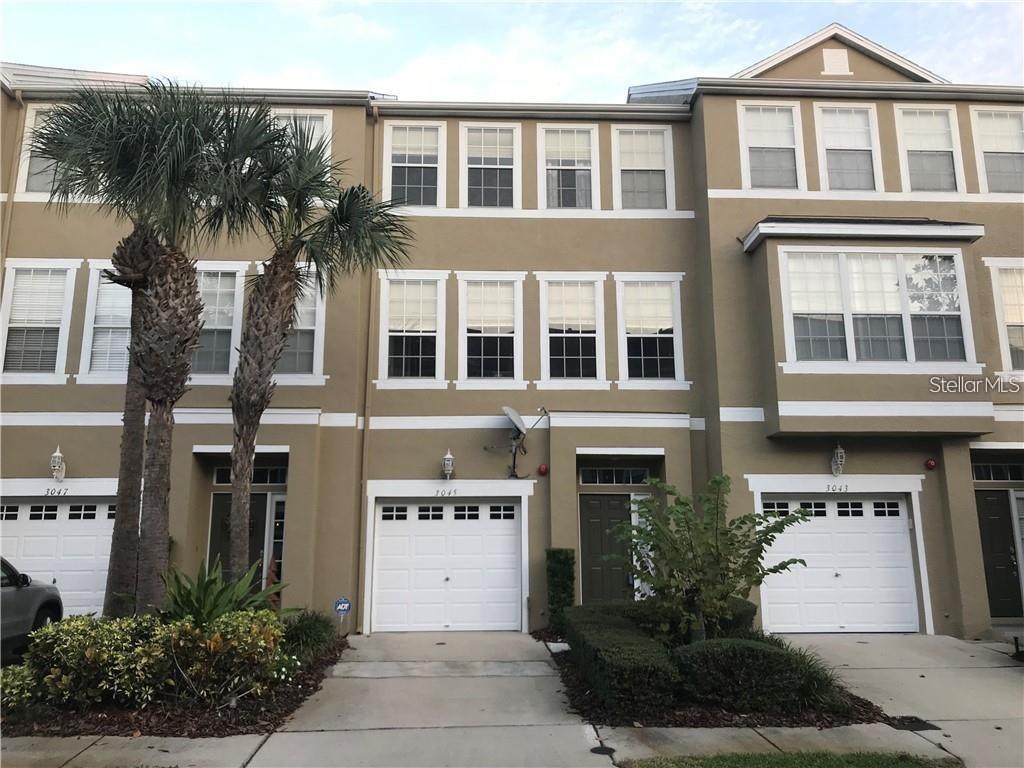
point(627, 669)
point(308, 633)
point(755, 676)
point(740, 619)
point(561, 571)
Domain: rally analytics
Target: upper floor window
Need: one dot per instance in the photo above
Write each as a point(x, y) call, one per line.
point(642, 172)
point(848, 148)
point(572, 330)
point(105, 349)
point(491, 330)
point(650, 330)
point(771, 145)
point(36, 314)
point(220, 292)
point(491, 166)
point(1008, 290)
point(412, 329)
point(315, 122)
point(569, 167)
point(999, 143)
point(300, 350)
point(35, 174)
point(414, 163)
point(875, 306)
point(929, 149)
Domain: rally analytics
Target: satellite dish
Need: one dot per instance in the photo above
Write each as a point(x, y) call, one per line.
point(515, 418)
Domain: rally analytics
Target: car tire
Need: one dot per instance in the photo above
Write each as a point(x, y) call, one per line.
point(44, 616)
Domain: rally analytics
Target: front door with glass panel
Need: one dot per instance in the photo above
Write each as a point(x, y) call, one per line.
point(266, 531)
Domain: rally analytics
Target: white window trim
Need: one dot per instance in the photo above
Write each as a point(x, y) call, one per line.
point(517, 381)
point(440, 276)
point(958, 160)
point(96, 266)
point(327, 115)
point(995, 264)
point(517, 164)
point(21, 193)
point(676, 279)
point(58, 376)
point(542, 167)
point(316, 378)
point(876, 144)
point(801, 160)
point(979, 154)
point(597, 279)
point(239, 268)
point(442, 162)
point(670, 175)
point(909, 366)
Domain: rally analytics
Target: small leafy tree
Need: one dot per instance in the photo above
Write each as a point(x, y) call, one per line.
point(694, 559)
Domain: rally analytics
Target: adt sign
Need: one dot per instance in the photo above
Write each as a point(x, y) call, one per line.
point(342, 606)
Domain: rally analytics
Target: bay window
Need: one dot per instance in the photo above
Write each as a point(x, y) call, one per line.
point(1008, 292)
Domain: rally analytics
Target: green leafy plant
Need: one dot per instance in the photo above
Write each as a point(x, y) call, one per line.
point(209, 596)
point(696, 558)
point(561, 572)
point(308, 633)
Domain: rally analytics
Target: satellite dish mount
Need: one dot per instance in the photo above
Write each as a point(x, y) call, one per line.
point(517, 438)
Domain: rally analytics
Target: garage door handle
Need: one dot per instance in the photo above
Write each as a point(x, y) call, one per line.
point(447, 578)
point(836, 575)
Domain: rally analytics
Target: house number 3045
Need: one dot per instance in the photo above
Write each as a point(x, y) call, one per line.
point(837, 487)
point(446, 492)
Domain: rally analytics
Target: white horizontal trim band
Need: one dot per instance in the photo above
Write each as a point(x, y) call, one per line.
point(227, 449)
point(862, 367)
point(764, 230)
point(377, 489)
point(640, 420)
point(996, 445)
point(787, 483)
point(741, 414)
point(906, 197)
point(620, 451)
point(76, 486)
point(886, 408)
point(542, 213)
point(181, 416)
point(1009, 412)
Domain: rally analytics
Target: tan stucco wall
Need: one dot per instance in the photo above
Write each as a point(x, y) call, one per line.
point(809, 65)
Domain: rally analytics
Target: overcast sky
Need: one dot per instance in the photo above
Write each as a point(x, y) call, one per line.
point(570, 51)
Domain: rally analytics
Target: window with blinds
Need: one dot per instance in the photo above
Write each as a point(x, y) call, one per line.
point(846, 137)
point(567, 164)
point(643, 164)
point(298, 355)
point(490, 167)
point(412, 328)
point(34, 323)
point(490, 329)
point(928, 143)
point(1001, 141)
point(414, 164)
point(572, 329)
point(649, 320)
point(1011, 289)
point(111, 329)
point(771, 139)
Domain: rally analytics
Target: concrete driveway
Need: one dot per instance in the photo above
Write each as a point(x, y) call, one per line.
point(973, 692)
point(437, 699)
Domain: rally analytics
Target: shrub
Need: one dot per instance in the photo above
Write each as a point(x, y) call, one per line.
point(209, 596)
point(309, 633)
point(628, 670)
point(561, 567)
point(754, 676)
point(738, 619)
point(17, 688)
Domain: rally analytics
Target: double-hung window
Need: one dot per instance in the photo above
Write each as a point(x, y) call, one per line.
point(572, 330)
point(771, 145)
point(875, 306)
point(37, 173)
point(220, 293)
point(999, 144)
point(491, 167)
point(412, 329)
point(316, 123)
point(414, 163)
point(491, 330)
point(108, 317)
point(569, 170)
point(650, 330)
point(299, 354)
point(929, 149)
point(36, 313)
point(848, 148)
point(1008, 290)
point(642, 176)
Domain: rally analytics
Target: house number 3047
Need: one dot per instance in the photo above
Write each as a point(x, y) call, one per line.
point(837, 487)
point(56, 492)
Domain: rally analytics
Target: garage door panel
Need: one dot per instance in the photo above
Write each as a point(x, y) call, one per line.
point(392, 545)
point(431, 544)
point(463, 544)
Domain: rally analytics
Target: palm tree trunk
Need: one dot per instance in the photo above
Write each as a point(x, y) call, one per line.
point(123, 568)
point(154, 543)
point(268, 321)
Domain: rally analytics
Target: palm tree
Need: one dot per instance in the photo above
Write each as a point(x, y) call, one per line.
point(319, 231)
point(147, 156)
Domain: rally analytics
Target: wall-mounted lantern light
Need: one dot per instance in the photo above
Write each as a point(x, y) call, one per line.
point(838, 460)
point(448, 465)
point(58, 467)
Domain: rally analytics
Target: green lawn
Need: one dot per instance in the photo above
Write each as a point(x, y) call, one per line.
point(795, 760)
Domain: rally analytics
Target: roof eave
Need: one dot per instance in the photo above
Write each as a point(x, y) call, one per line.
point(853, 230)
point(531, 110)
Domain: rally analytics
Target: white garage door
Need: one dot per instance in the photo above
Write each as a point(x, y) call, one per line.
point(66, 540)
point(446, 566)
point(860, 571)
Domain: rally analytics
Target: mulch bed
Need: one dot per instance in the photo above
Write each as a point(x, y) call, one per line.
point(583, 702)
point(250, 715)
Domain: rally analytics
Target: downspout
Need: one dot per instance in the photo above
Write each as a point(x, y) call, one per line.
point(364, 460)
point(13, 180)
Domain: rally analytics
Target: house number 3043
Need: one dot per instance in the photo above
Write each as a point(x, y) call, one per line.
point(56, 492)
point(837, 487)
point(446, 492)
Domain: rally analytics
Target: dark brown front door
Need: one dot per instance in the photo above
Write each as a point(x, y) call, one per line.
point(604, 578)
point(999, 551)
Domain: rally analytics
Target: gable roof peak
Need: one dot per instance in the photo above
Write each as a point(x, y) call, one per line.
point(852, 39)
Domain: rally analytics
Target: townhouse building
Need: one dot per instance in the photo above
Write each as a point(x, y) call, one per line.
point(808, 276)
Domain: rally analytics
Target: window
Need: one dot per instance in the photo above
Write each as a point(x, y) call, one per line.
point(414, 165)
point(491, 330)
point(771, 146)
point(572, 330)
point(848, 153)
point(219, 292)
point(999, 144)
point(491, 166)
point(614, 475)
point(642, 172)
point(569, 170)
point(316, 122)
point(110, 327)
point(37, 300)
point(35, 174)
point(929, 153)
point(300, 351)
point(1004, 471)
point(411, 340)
point(650, 330)
point(875, 307)
point(1008, 291)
